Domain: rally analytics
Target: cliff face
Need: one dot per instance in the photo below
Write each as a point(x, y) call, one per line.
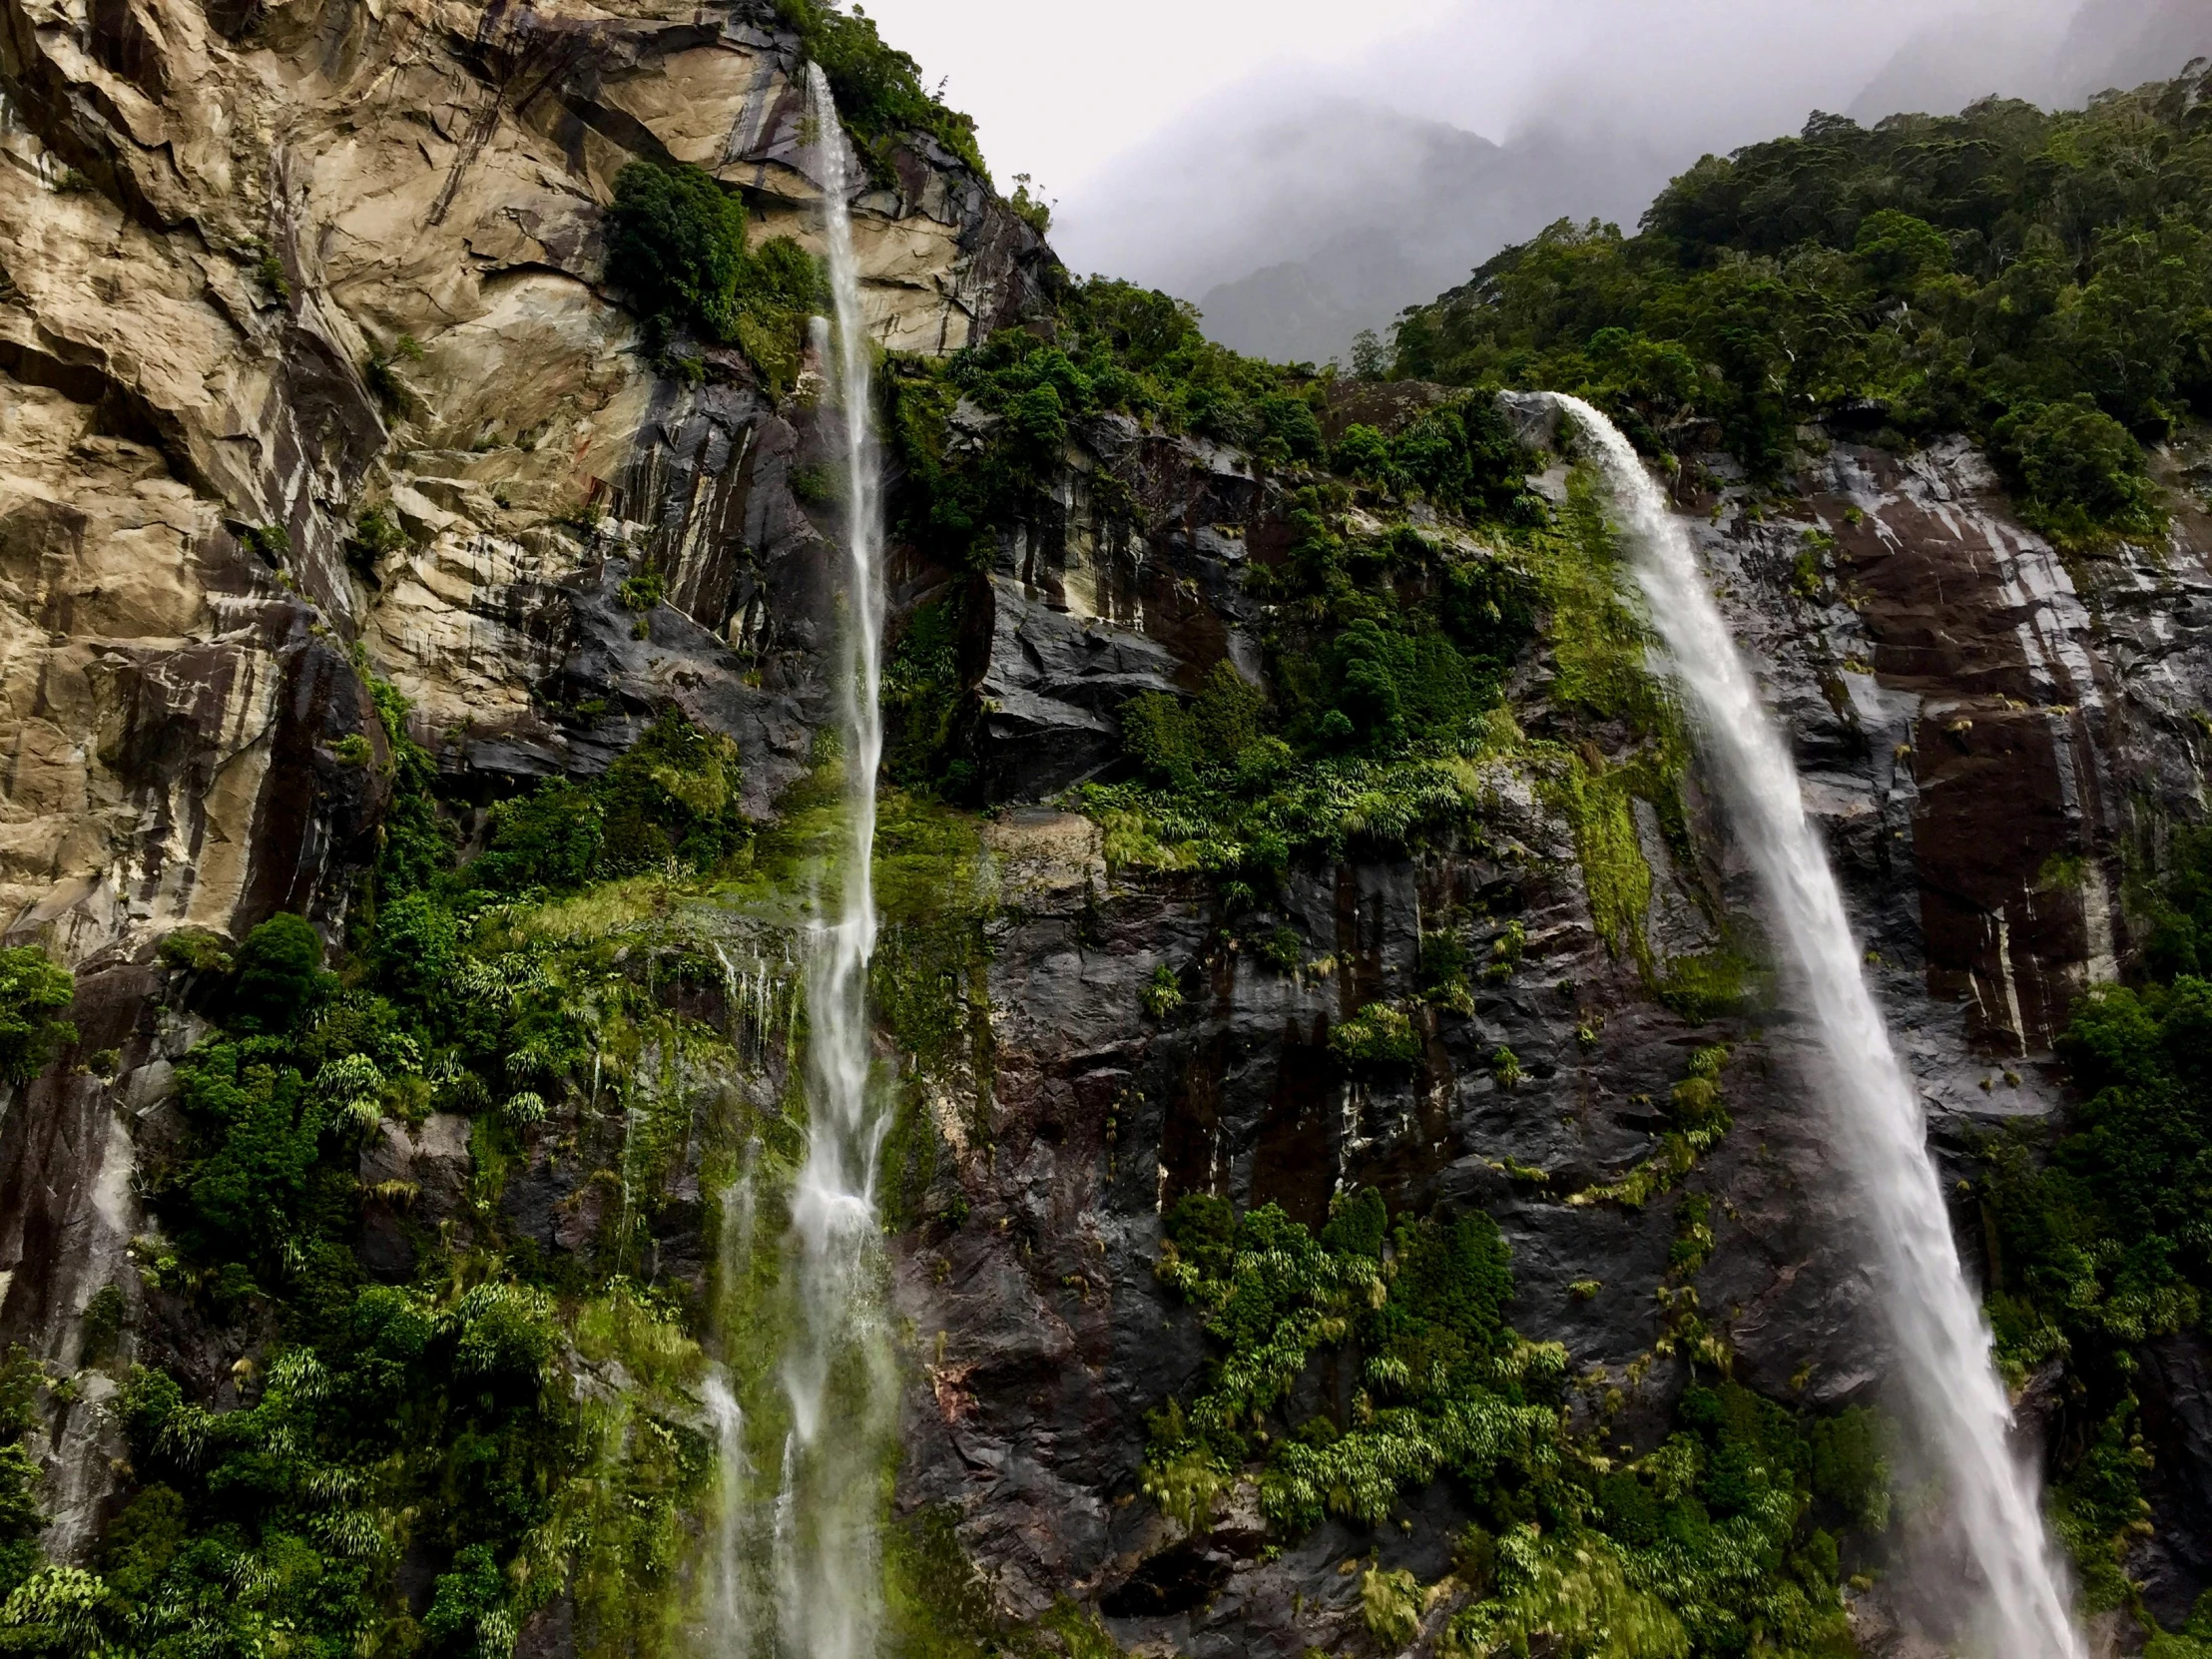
point(1992, 736)
point(217, 230)
point(267, 269)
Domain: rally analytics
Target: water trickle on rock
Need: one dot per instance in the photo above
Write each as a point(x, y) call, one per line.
point(1878, 1127)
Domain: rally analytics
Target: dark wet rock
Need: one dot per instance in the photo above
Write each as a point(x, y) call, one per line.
point(1176, 1580)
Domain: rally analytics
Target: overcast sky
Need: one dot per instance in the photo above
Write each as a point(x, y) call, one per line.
point(1057, 88)
point(1061, 90)
point(1189, 143)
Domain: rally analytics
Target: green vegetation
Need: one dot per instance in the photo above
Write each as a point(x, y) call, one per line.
point(34, 993)
point(1385, 727)
point(878, 89)
point(2041, 280)
point(1387, 643)
point(381, 375)
point(670, 801)
point(20, 1520)
point(1724, 1540)
point(675, 246)
point(1378, 1037)
point(1116, 349)
point(420, 1419)
point(2098, 1238)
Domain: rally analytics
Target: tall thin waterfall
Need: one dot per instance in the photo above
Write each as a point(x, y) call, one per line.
point(1879, 1131)
point(838, 1371)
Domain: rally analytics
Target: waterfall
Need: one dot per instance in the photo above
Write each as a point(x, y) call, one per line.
point(837, 1371)
point(1878, 1132)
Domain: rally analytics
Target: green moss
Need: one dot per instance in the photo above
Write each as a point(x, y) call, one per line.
point(1710, 985)
point(1615, 875)
point(935, 1604)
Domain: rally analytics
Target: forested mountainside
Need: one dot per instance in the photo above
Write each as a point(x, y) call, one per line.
point(2040, 282)
point(1346, 1186)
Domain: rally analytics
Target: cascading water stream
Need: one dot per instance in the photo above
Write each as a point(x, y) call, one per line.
point(1878, 1127)
point(821, 1552)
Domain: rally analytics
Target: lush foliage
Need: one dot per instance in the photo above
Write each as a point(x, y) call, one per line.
point(675, 247)
point(379, 1420)
point(2042, 280)
point(34, 995)
point(2099, 1240)
point(1385, 726)
point(1722, 1540)
point(670, 800)
point(879, 88)
point(1116, 349)
point(20, 1520)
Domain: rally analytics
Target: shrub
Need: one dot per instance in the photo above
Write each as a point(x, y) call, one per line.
point(280, 974)
point(103, 1325)
point(1390, 1605)
point(1031, 210)
point(548, 841)
point(269, 544)
point(2082, 475)
point(1162, 993)
point(1284, 949)
point(1176, 742)
point(463, 1600)
point(376, 534)
point(675, 242)
point(675, 246)
point(643, 591)
point(1379, 1036)
point(259, 1129)
point(381, 375)
point(674, 794)
point(1364, 452)
point(196, 951)
point(1851, 1468)
point(34, 991)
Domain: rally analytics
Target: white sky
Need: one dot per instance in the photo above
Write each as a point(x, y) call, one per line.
point(1059, 86)
point(1123, 109)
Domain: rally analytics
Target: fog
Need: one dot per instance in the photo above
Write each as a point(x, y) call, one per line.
point(1325, 191)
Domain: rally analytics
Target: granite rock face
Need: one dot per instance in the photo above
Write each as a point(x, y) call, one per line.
point(265, 268)
point(1986, 731)
point(216, 227)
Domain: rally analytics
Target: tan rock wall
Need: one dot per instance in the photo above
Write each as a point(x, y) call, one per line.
point(212, 222)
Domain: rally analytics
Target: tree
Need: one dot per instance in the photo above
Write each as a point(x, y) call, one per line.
point(33, 991)
point(279, 973)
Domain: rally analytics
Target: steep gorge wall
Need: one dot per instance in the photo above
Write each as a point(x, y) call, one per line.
point(1995, 737)
point(266, 269)
point(214, 221)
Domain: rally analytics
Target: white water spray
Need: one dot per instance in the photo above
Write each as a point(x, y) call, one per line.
point(838, 1372)
point(1878, 1126)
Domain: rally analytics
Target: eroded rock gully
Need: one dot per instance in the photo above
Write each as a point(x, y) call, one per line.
point(212, 220)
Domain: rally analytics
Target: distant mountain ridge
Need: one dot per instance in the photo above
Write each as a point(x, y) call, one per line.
point(1409, 206)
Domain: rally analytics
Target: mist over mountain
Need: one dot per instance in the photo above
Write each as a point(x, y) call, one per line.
point(1296, 215)
point(1391, 241)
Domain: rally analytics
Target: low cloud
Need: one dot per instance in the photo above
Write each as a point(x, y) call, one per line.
point(1302, 206)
